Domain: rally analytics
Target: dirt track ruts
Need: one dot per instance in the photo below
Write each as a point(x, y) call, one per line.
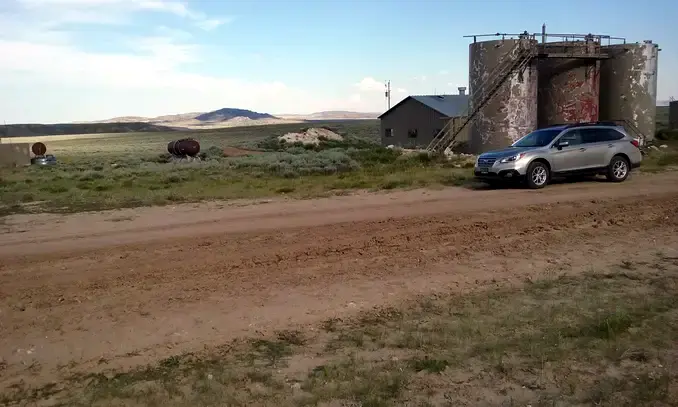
point(87, 290)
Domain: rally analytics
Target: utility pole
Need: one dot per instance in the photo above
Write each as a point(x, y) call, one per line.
point(387, 85)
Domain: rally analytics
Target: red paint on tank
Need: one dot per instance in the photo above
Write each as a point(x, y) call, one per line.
point(569, 91)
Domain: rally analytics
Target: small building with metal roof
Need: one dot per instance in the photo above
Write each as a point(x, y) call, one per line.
point(416, 120)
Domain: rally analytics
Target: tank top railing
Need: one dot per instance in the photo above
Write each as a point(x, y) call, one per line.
point(517, 59)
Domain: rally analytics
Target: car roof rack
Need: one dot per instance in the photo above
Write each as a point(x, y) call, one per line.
point(582, 124)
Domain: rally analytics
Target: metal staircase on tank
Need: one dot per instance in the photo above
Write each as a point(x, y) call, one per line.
point(517, 59)
point(635, 132)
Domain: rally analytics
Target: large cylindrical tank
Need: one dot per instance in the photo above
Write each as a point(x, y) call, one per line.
point(569, 89)
point(184, 147)
point(512, 111)
point(628, 86)
point(673, 115)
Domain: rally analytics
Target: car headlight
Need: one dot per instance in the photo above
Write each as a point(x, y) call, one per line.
point(512, 158)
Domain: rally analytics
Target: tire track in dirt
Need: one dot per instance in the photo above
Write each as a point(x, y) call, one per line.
point(87, 232)
point(367, 249)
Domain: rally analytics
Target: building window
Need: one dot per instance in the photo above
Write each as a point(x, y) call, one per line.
point(388, 132)
point(412, 133)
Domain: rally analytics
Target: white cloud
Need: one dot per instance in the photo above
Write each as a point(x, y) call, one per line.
point(401, 90)
point(444, 72)
point(369, 84)
point(47, 76)
point(114, 11)
point(421, 78)
point(181, 9)
point(75, 85)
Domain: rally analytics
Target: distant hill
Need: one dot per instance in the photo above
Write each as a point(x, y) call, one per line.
point(221, 118)
point(33, 130)
point(231, 113)
point(333, 115)
point(156, 120)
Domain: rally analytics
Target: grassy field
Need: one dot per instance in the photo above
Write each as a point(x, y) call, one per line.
point(97, 172)
point(134, 169)
point(605, 338)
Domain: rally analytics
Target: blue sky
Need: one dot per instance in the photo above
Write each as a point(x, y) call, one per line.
point(69, 60)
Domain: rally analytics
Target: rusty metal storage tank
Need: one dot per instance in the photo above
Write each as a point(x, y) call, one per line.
point(628, 86)
point(673, 114)
point(512, 111)
point(569, 88)
point(184, 147)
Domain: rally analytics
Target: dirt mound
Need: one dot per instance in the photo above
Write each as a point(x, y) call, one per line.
point(311, 136)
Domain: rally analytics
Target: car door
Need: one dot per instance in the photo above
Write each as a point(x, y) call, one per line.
point(595, 144)
point(567, 158)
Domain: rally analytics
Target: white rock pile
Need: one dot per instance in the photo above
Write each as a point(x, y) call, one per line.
point(311, 136)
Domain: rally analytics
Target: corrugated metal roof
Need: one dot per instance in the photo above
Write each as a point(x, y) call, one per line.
point(449, 105)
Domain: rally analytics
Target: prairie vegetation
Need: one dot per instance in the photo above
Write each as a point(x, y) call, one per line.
point(108, 171)
point(128, 170)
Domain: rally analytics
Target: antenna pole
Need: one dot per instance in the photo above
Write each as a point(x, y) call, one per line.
point(388, 94)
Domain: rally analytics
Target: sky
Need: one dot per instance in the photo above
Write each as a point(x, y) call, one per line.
point(79, 60)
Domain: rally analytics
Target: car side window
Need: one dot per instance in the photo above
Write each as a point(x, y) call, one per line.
point(594, 135)
point(611, 135)
point(573, 137)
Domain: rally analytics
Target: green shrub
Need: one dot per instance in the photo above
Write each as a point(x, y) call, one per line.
point(291, 165)
point(212, 153)
point(666, 134)
point(668, 158)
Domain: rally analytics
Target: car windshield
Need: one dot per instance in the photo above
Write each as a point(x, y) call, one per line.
point(538, 138)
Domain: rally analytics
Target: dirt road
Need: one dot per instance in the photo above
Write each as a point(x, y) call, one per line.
point(93, 291)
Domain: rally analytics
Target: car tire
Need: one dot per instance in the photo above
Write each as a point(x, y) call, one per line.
point(538, 175)
point(618, 169)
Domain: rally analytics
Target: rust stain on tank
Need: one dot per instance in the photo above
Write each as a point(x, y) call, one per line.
point(569, 89)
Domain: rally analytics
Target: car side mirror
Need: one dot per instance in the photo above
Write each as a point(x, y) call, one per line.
point(562, 144)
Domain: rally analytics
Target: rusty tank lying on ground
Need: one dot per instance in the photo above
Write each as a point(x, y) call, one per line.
point(184, 147)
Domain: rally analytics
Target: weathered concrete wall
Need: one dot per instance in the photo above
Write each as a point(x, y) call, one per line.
point(673, 115)
point(15, 155)
point(411, 115)
point(628, 85)
point(569, 89)
point(512, 111)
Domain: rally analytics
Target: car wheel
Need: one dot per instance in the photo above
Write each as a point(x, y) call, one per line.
point(618, 169)
point(538, 175)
